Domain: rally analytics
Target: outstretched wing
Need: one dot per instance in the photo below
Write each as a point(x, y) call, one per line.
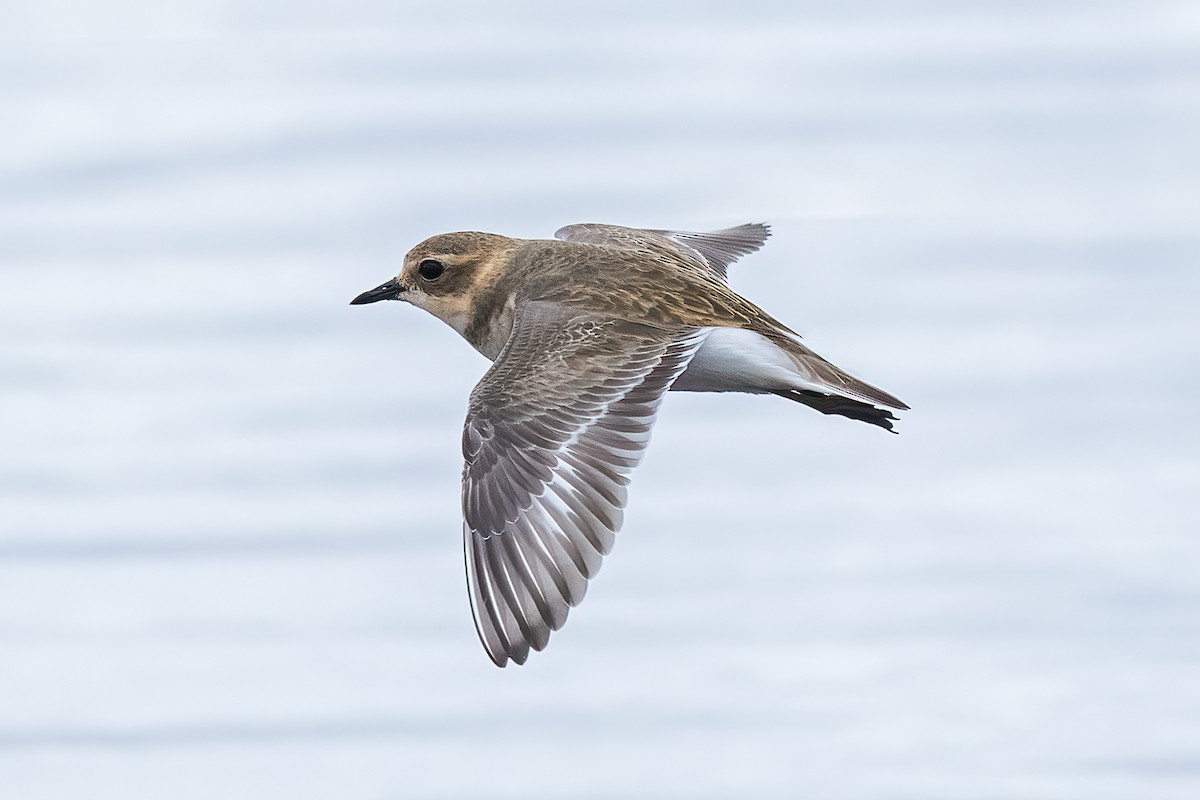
point(716, 249)
point(553, 431)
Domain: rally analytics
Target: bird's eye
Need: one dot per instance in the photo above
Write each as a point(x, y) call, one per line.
point(431, 270)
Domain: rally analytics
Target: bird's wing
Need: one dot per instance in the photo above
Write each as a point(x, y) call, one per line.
point(716, 249)
point(553, 431)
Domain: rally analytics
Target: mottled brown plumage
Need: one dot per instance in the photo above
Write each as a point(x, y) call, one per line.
point(588, 332)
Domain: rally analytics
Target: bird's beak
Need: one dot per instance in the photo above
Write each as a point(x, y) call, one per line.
point(384, 291)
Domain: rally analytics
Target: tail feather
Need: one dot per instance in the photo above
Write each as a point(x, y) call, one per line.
point(843, 406)
point(820, 371)
point(775, 362)
point(846, 395)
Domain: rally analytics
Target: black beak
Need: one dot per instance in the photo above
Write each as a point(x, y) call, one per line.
point(384, 291)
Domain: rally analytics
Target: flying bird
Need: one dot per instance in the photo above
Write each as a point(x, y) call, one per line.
point(586, 333)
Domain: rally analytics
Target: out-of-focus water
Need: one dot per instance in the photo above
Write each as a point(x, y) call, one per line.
point(230, 561)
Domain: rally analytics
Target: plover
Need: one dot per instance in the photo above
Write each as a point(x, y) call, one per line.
point(587, 332)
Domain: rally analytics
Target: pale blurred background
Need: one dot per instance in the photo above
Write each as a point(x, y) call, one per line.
point(230, 559)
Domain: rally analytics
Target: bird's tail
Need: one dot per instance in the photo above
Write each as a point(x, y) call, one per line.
point(843, 406)
point(831, 390)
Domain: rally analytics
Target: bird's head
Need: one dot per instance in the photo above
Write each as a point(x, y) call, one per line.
point(444, 273)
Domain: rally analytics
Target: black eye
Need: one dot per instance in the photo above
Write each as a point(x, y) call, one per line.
point(431, 270)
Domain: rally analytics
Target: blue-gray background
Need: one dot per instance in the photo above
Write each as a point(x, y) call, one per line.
point(229, 535)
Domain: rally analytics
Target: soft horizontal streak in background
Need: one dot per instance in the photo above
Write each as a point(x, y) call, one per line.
point(230, 562)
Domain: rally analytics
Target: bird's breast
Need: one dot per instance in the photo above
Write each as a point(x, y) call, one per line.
point(490, 327)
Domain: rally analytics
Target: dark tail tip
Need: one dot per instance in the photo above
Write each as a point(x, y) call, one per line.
point(844, 407)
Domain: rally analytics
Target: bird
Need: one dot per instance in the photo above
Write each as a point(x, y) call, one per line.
point(586, 333)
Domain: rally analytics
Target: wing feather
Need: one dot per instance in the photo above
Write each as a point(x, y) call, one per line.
point(548, 450)
point(715, 249)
